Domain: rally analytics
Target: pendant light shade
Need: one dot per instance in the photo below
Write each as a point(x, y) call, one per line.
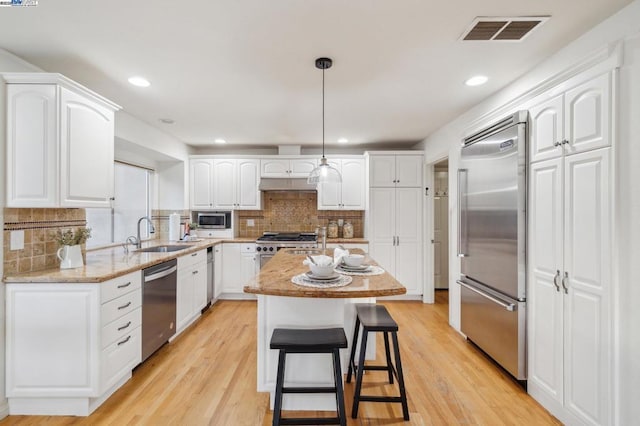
point(324, 173)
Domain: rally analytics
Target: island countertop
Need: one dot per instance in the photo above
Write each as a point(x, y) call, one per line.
point(274, 279)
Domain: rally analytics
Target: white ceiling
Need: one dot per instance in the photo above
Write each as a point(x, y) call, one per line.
point(243, 70)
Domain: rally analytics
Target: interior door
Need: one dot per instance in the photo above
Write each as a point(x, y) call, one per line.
point(441, 241)
point(409, 261)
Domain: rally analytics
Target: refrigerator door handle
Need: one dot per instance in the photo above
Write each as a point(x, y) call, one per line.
point(508, 306)
point(462, 210)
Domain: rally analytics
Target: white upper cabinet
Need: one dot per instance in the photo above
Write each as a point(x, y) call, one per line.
point(395, 171)
point(577, 120)
point(60, 143)
point(201, 187)
point(235, 184)
point(350, 194)
point(287, 168)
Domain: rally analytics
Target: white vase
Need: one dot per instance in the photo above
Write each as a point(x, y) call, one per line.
point(70, 257)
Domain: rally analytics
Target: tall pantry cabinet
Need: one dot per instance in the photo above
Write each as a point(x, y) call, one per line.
point(395, 222)
point(569, 252)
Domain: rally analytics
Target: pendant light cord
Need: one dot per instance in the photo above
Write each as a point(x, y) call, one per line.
point(322, 112)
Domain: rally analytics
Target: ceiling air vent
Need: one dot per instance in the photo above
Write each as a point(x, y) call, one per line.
point(502, 28)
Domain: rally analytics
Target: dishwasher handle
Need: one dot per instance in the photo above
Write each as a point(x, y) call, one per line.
point(161, 274)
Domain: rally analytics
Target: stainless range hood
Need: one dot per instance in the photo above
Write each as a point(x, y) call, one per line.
point(286, 184)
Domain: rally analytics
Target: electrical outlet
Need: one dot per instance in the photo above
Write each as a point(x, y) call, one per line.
point(17, 240)
point(251, 223)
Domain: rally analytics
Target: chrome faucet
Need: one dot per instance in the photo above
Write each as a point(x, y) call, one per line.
point(153, 229)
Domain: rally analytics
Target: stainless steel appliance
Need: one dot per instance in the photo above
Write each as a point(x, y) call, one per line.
point(210, 277)
point(270, 242)
point(158, 306)
point(492, 241)
point(214, 220)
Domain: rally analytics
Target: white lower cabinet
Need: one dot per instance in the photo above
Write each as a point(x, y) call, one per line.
point(191, 295)
point(364, 247)
point(570, 287)
point(239, 267)
point(217, 271)
point(70, 346)
point(395, 234)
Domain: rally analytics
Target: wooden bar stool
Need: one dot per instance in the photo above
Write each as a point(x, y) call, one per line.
point(300, 341)
point(376, 318)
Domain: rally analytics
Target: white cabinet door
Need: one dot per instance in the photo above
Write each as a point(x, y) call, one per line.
point(224, 184)
point(86, 152)
point(353, 186)
point(545, 297)
point(382, 227)
point(32, 153)
point(382, 171)
point(217, 270)
point(248, 262)
point(408, 253)
point(274, 168)
point(199, 279)
point(588, 115)
point(232, 270)
point(587, 339)
point(184, 299)
point(547, 128)
point(301, 168)
point(201, 174)
point(408, 171)
point(330, 194)
point(248, 179)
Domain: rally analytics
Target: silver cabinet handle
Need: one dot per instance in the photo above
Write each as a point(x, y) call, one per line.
point(565, 142)
point(557, 144)
point(124, 326)
point(194, 254)
point(124, 285)
point(194, 272)
point(126, 305)
point(564, 283)
point(124, 341)
point(397, 241)
point(555, 280)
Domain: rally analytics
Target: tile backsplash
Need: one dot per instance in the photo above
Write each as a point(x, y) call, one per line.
point(39, 226)
point(160, 220)
point(293, 211)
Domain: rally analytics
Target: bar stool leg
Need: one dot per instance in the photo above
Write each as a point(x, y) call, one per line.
point(337, 372)
point(277, 404)
point(359, 371)
point(354, 343)
point(388, 353)
point(403, 393)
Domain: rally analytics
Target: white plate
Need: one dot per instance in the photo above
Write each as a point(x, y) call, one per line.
point(333, 276)
point(360, 268)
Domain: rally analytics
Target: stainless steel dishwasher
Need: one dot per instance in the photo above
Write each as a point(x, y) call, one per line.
point(158, 306)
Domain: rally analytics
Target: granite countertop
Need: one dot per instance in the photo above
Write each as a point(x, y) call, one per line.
point(274, 279)
point(346, 241)
point(108, 263)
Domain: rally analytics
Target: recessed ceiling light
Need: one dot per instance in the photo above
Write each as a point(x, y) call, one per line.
point(343, 140)
point(220, 141)
point(167, 121)
point(139, 81)
point(476, 80)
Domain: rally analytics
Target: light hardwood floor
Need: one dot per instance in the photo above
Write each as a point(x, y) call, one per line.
point(208, 376)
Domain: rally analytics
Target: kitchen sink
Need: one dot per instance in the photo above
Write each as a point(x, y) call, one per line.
point(306, 251)
point(162, 249)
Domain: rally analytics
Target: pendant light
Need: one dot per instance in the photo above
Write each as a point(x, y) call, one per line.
point(324, 173)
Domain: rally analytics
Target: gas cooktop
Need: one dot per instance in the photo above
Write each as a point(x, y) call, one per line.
point(287, 237)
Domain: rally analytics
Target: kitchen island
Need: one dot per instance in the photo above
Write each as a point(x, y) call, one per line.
point(284, 304)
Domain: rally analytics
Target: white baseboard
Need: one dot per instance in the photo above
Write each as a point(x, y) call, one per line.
point(4, 409)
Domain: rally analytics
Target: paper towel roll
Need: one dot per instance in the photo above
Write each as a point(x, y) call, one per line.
point(174, 227)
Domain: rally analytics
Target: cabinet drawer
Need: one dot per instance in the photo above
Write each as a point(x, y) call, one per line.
point(118, 286)
point(191, 259)
point(121, 326)
point(119, 358)
point(248, 248)
point(121, 306)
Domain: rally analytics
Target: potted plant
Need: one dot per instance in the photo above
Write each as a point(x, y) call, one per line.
point(192, 228)
point(70, 253)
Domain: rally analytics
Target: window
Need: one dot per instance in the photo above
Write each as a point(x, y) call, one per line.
point(132, 201)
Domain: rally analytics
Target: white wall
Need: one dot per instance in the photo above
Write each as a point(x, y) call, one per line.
point(623, 31)
point(8, 63)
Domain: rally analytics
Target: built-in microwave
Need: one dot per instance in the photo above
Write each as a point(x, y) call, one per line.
point(214, 220)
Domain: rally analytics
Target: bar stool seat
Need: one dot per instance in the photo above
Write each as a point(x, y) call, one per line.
point(376, 318)
point(305, 341)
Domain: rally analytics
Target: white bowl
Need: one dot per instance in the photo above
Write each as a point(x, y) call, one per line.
point(321, 271)
point(353, 259)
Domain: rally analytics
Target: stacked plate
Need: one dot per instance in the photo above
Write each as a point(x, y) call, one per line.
point(346, 268)
point(322, 279)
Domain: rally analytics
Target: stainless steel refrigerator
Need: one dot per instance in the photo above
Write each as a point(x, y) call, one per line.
point(492, 241)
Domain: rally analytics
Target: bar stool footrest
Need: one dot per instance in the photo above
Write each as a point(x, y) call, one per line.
point(310, 421)
point(308, 390)
point(372, 398)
